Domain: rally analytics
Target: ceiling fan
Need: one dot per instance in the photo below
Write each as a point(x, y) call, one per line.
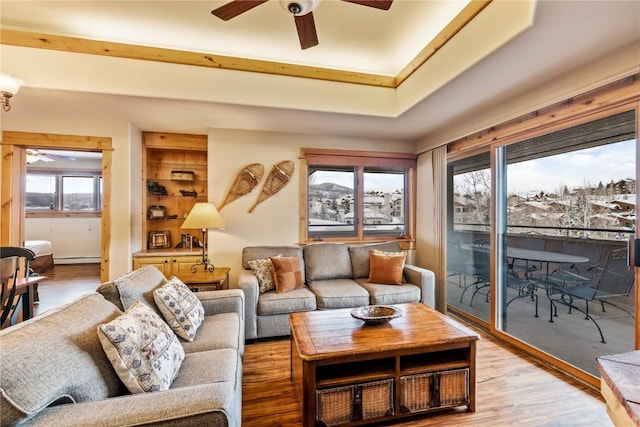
point(302, 11)
point(34, 155)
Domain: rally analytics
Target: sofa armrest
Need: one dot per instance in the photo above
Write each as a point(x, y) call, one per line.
point(248, 283)
point(207, 404)
point(425, 279)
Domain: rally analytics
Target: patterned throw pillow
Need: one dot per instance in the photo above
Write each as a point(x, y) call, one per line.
point(263, 269)
point(286, 273)
point(180, 307)
point(142, 348)
point(386, 267)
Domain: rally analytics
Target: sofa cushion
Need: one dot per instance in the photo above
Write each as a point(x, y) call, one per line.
point(256, 252)
point(142, 348)
point(290, 302)
point(206, 367)
point(386, 267)
point(360, 256)
point(286, 273)
point(56, 357)
point(325, 261)
point(263, 269)
point(181, 309)
point(339, 293)
point(386, 294)
point(137, 285)
point(217, 331)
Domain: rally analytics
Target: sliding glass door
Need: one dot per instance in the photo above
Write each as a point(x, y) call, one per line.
point(563, 210)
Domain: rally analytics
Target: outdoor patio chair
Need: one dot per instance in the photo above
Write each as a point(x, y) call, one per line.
point(482, 265)
point(458, 264)
point(481, 269)
point(524, 268)
point(567, 274)
point(614, 280)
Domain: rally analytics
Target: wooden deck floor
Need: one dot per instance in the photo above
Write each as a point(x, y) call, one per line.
point(513, 389)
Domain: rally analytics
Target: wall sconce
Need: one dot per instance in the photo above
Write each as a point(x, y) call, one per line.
point(9, 86)
point(204, 216)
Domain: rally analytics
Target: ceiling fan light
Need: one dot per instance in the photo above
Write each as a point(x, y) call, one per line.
point(299, 7)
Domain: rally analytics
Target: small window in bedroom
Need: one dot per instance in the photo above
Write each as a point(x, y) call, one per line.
point(63, 192)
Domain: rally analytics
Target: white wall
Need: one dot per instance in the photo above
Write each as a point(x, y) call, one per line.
point(74, 240)
point(276, 220)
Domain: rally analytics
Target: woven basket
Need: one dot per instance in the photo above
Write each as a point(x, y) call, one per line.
point(341, 405)
point(334, 406)
point(434, 390)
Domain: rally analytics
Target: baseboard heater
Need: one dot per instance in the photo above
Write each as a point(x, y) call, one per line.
point(76, 260)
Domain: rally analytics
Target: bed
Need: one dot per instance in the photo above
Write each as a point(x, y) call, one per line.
point(44, 255)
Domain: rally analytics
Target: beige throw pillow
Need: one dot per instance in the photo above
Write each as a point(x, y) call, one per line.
point(263, 269)
point(142, 348)
point(180, 307)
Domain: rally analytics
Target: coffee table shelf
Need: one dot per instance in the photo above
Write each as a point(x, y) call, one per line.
point(352, 372)
point(348, 374)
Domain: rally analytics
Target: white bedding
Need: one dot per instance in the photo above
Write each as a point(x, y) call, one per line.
point(39, 247)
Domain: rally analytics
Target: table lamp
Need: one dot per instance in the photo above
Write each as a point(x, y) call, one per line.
point(204, 216)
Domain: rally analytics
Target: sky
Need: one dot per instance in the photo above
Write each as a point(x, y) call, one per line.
point(574, 169)
point(548, 174)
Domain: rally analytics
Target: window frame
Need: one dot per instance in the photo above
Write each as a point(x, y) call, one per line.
point(58, 210)
point(360, 160)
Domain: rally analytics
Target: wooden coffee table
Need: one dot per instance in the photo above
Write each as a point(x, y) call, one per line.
point(349, 373)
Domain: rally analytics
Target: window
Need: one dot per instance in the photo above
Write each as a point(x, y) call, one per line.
point(53, 192)
point(358, 195)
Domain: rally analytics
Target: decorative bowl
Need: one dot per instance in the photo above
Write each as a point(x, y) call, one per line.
point(376, 314)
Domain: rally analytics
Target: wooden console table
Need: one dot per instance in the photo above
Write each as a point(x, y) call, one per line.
point(348, 373)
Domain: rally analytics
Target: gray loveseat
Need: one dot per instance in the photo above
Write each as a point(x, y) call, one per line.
point(53, 370)
point(335, 275)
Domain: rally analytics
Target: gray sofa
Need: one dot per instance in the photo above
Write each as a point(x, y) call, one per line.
point(335, 275)
point(53, 370)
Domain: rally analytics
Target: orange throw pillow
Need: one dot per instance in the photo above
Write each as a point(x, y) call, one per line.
point(386, 269)
point(286, 273)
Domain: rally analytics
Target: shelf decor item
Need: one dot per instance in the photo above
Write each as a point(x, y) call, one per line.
point(204, 216)
point(376, 314)
point(159, 240)
point(183, 176)
point(156, 212)
point(275, 181)
point(244, 182)
point(156, 188)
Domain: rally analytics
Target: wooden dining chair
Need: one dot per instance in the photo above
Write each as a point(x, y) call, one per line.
point(9, 272)
point(28, 255)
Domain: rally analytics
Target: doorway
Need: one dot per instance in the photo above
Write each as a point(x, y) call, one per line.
point(15, 147)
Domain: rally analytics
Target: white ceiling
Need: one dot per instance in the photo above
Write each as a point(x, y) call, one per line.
point(565, 36)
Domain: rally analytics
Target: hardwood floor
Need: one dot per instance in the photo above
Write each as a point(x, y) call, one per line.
point(513, 389)
point(65, 283)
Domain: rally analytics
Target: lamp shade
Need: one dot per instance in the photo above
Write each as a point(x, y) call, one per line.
point(9, 84)
point(204, 216)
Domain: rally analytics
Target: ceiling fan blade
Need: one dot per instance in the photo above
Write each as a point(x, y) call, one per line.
point(306, 27)
point(378, 4)
point(235, 8)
